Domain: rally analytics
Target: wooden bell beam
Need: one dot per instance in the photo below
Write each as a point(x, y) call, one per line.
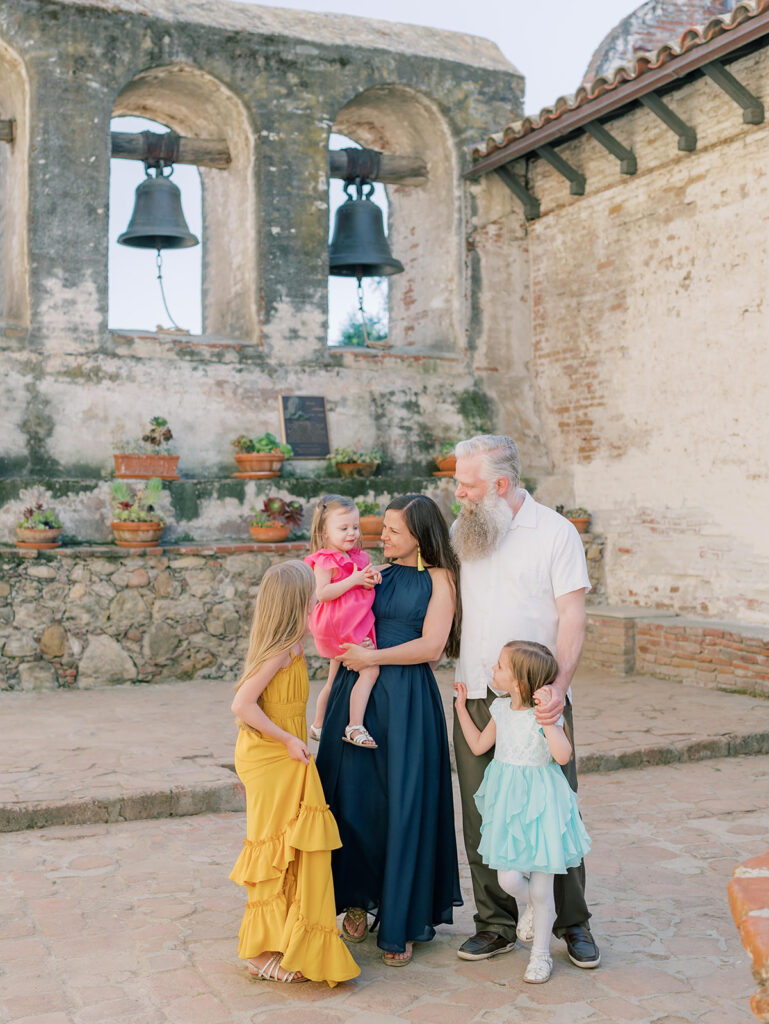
point(396, 170)
point(752, 107)
point(572, 175)
point(7, 130)
point(529, 201)
point(627, 161)
point(687, 136)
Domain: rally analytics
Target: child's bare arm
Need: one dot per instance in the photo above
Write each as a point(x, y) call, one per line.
point(479, 742)
point(330, 591)
point(558, 742)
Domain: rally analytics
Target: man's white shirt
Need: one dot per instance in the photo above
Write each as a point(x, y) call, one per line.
point(510, 594)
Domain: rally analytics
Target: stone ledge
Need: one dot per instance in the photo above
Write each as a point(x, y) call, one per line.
point(113, 551)
point(749, 903)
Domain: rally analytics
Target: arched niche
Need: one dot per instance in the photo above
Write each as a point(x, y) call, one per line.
point(194, 104)
point(424, 220)
point(14, 191)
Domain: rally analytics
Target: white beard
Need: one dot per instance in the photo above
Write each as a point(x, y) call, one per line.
point(480, 527)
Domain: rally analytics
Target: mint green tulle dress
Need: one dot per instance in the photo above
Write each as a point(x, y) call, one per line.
point(530, 816)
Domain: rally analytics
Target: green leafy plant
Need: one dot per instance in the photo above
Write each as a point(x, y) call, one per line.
point(373, 455)
point(343, 455)
point(277, 512)
point(267, 444)
point(447, 448)
point(577, 513)
point(139, 507)
point(456, 508)
point(351, 332)
point(153, 442)
point(38, 517)
point(367, 508)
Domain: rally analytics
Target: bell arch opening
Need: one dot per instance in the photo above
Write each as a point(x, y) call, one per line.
point(135, 297)
point(196, 105)
point(425, 311)
point(345, 326)
point(14, 192)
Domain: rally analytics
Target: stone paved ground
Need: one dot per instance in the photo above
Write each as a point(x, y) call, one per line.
point(131, 752)
point(135, 923)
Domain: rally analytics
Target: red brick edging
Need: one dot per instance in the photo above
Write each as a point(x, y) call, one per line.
point(749, 902)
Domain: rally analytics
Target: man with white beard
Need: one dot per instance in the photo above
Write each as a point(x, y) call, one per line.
point(524, 577)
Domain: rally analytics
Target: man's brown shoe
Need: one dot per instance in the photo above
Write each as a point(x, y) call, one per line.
point(482, 945)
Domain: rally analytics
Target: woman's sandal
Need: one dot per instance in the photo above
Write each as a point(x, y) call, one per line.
point(356, 915)
point(540, 968)
point(271, 971)
point(399, 960)
point(315, 733)
point(359, 736)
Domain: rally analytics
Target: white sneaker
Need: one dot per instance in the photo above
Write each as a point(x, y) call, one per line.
point(540, 968)
point(525, 928)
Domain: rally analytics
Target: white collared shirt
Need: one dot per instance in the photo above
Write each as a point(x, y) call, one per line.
point(511, 593)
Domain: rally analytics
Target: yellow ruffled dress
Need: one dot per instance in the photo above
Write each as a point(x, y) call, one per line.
point(285, 863)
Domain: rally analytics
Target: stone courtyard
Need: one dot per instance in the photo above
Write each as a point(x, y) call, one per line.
point(107, 920)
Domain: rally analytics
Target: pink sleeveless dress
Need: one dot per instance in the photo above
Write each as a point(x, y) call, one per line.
point(348, 619)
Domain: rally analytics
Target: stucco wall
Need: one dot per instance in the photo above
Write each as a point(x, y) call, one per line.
point(650, 358)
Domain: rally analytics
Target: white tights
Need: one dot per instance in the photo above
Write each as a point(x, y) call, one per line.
point(537, 889)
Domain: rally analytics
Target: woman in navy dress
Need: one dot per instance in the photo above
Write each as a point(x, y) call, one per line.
point(394, 804)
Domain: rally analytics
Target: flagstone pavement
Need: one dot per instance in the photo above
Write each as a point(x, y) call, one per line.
point(135, 922)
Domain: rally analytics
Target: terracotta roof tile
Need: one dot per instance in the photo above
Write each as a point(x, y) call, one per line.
point(690, 39)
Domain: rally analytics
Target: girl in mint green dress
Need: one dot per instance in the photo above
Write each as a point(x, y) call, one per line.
point(531, 826)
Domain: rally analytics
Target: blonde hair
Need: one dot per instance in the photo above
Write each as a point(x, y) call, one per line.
point(327, 504)
point(532, 666)
point(280, 613)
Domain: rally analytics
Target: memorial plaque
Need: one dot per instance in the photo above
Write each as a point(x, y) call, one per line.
point(304, 425)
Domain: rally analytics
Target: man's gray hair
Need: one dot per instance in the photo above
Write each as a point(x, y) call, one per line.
point(500, 456)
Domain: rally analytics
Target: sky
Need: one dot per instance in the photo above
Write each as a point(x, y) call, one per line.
point(550, 43)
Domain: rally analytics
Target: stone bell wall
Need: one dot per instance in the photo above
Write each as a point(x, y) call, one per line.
point(273, 84)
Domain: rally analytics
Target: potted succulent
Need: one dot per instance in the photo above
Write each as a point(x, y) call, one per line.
point(260, 457)
point(273, 521)
point(150, 457)
point(371, 521)
point(580, 517)
point(350, 462)
point(39, 527)
point(446, 460)
point(136, 521)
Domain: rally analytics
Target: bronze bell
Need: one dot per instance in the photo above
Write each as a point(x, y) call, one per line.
point(158, 221)
point(359, 246)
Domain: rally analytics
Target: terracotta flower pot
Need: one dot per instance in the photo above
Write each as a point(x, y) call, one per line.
point(26, 537)
point(137, 535)
point(356, 468)
point(371, 527)
point(129, 466)
point(270, 534)
point(259, 465)
point(580, 522)
point(446, 464)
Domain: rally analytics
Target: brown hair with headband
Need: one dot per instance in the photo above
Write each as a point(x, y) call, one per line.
point(532, 666)
point(327, 504)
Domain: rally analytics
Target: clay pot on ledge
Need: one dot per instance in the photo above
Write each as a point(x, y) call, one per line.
point(446, 464)
point(130, 466)
point(259, 465)
point(272, 534)
point(43, 540)
point(581, 523)
point(371, 529)
point(356, 468)
point(137, 535)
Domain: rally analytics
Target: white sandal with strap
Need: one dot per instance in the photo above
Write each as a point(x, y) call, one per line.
point(271, 971)
point(540, 968)
point(359, 736)
point(315, 733)
point(525, 930)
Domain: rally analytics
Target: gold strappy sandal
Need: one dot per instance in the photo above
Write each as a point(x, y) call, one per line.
point(271, 971)
point(356, 916)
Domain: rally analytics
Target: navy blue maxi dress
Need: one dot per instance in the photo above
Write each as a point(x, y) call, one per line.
point(394, 805)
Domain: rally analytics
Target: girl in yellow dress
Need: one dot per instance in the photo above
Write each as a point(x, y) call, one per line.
point(289, 931)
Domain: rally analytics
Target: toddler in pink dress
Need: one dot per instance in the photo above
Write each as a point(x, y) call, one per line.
point(345, 582)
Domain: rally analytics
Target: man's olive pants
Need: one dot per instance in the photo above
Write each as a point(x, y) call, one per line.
point(496, 911)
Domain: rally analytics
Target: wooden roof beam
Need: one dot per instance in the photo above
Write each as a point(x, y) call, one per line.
point(529, 202)
point(627, 161)
point(752, 107)
point(687, 136)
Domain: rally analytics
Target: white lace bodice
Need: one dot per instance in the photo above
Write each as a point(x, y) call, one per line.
point(520, 740)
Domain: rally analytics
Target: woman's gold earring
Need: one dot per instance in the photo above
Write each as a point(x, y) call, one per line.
point(420, 563)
